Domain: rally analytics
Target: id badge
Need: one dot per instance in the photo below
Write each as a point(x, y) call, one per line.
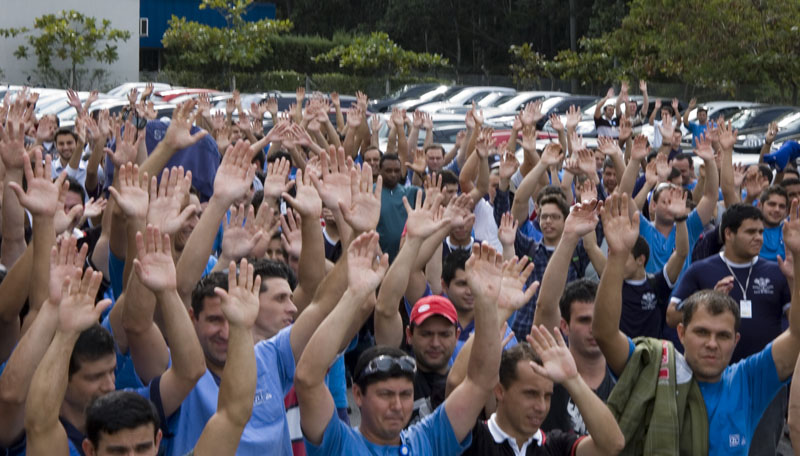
point(746, 308)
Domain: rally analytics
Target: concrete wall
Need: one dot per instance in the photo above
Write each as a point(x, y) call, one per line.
point(123, 14)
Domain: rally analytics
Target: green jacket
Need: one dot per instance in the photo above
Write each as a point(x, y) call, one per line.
point(659, 407)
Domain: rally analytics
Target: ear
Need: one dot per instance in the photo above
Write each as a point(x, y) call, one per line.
point(498, 393)
point(88, 448)
point(736, 339)
point(682, 332)
point(358, 396)
point(564, 327)
point(408, 334)
point(159, 435)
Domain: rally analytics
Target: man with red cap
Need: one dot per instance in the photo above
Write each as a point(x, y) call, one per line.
point(432, 334)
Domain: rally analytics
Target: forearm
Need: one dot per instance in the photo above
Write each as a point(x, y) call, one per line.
point(596, 256)
point(402, 149)
point(48, 387)
point(484, 361)
point(519, 209)
point(428, 248)
point(628, 181)
point(566, 187)
point(333, 135)
point(91, 167)
point(466, 179)
point(311, 266)
point(678, 258)
point(482, 184)
point(388, 324)
point(14, 288)
point(511, 146)
point(44, 236)
point(433, 270)
point(458, 371)
point(603, 428)
point(187, 355)
point(349, 143)
point(413, 136)
point(547, 312)
point(428, 138)
point(641, 198)
point(391, 144)
point(13, 223)
point(198, 247)
point(699, 188)
point(238, 383)
point(730, 194)
point(75, 160)
point(157, 160)
point(608, 302)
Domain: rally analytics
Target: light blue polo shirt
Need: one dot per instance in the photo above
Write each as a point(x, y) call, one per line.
point(267, 432)
point(773, 244)
point(432, 436)
point(662, 247)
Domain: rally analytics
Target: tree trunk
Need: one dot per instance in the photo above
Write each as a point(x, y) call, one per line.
point(794, 93)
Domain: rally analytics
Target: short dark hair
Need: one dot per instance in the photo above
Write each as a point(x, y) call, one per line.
point(641, 248)
point(581, 290)
point(558, 201)
point(385, 157)
point(269, 269)
point(684, 156)
point(790, 181)
point(454, 261)
point(117, 411)
point(205, 289)
point(434, 146)
point(662, 187)
point(92, 344)
point(774, 190)
point(714, 302)
point(511, 357)
point(380, 154)
point(277, 155)
point(765, 171)
point(368, 355)
point(733, 217)
point(448, 177)
point(76, 187)
point(65, 131)
point(608, 163)
point(667, 108)
point(549, 190)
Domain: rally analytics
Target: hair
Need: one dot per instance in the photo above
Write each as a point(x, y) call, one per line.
point(733, 217)
point(787, 182)
point(385, 157)
point(558, 201)
point(448, 177)
point(205, 289)
point(641, 248)
point(370, 354)
point(549, 190)
point(661, 187)
point(117, 411)
point(511, 357)
point(453, 262)
point(714, 302)
point(275, 156)
point(65, 131)
point(674, 173)
point(774, 190)
point(765, 171)
point(581, 290)
point(790, 170)
point(667, 108)
point(258, 197)
point(269, 269)
point(259, 158)
point(92, 344)
point(76, 187)
point(380, 154)
point(684, 156)
point(434, 146)
point(608, 163)
point(651, 156)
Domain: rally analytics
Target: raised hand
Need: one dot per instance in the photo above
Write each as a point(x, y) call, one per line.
point(291, 235)
point(459, 211)
point(133, 95)
point(276, 181)
point(355, 116)
point(558, 364)
point(426, 218)
point(651, 174)
point(791, 229)
point(675, 106)
point(625, 129)
point(703, 148)
point(131, 196)
point(65, 261)
point(235, 174)
point(755, 182)
point(485, 273)
point(552, 155)
point(587, 163)
point(94, 208)
point(573, 117)
point(477, 116)
point(587, 191)
point(366, 265)
point(167, 199)
point(531, 113)
point(364, 211)
point(676, 202)
point(772, 131)
point(739, 171)
point(375, 123)
point(727, 135)
point(46, 129)
point(178, 135)
point(397, 118)
point(267, 223)
point(74, 100)
point(12, 143)
point(335, 186)
point(620, 229)
point(513, 294)
point(241, 234)
point(724, 285)
point(153, 263)
point(127, 146)
point(420, 164)
point(240, 302)
point(662, 168)
point(77, 310)
point(786, 265)
point(666, 128)
point(484, 142)
point(639, 149)
point(507, 231)
point(583, 218)
point(42, 194)
point(643, 86)
point(555, 122)
point(508, 165)
point(335, 99)
point(576, 141)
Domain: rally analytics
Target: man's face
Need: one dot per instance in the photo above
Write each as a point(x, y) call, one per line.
point(275, 251)
point(702, 117)
point(773, 209)
point(599, 159)
point(747, 240)
point(212, 331)
point(435, 158)
point(236, 133)
point(65, 145)
point(630, 111)
point(676, 138)
point(373, 158)
point(524, 405)
point(579, 330)
point(93, 379)
point(686, 171)
point(610, 178)
point(386, 407)
point(793, 192)
point(664, 112)
point(276, 310)
point(137, 441)
point(391, 173)
point(608, 111)
point(449, 191)
point(461, 234)
point(459, 292)
point(71, 200)
point(433, 343)
point(708, 341)
point(551, 221)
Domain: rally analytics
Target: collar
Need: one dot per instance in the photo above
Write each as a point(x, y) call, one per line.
point(500, 436)
point(73, 434)
point(738, 265)
point(459, 247)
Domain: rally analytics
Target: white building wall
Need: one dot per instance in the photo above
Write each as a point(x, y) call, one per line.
point(123, 14)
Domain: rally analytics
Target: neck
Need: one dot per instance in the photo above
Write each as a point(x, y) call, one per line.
point(551, 242)
point(333, 231)
point(458, 242)
point(638, 275)
point(591, 368)
point(465, 318)
point(63, 161)
point(428, 370)
point(376, 439)
point(504, 424)
point(214, 368)
point(734, 257)
point(664, 227)
point(74, 416)
point(260, 334)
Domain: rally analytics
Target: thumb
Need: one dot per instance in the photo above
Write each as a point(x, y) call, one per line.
point(75, 212)
point(17, 190)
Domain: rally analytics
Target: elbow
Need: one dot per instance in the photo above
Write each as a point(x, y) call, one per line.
point(794, 422)
point(615, 445)
point(10, 396)
point(304, 378)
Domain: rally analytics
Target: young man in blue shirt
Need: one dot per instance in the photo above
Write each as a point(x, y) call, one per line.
point(699, 127)
point(773, 203)
point(709, 333)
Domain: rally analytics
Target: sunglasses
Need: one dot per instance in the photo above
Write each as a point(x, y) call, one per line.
point(386, 364)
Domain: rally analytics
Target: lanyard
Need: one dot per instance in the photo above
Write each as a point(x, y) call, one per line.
point(746, 284)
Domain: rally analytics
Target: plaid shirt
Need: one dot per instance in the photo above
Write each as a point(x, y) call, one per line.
point(525, 245)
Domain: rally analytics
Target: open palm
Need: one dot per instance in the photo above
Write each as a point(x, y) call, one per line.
point(557, 362)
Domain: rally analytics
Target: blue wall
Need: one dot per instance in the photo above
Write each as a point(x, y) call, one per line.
point(159, 12)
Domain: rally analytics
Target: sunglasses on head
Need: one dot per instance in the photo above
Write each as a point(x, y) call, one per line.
point(386, 364)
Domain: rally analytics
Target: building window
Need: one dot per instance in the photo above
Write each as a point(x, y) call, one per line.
point(144, 26)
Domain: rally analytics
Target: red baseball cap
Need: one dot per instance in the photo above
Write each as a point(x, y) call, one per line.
point(433, 305)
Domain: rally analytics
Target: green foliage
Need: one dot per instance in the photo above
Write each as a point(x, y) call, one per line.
point(378, 52)
point(530, 65)
point(64, 42)
point(242, 44)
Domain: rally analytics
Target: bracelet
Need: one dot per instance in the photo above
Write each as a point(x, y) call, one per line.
point(681, 219)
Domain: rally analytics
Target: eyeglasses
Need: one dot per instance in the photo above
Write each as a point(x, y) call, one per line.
point(386, 364)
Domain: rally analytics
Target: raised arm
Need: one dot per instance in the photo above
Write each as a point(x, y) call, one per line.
point(677, 207)
point(238, 385)
point(552, 155)
point(12, 151)
point(656, 107)
point(692, 104)
point(786, 347)
point(707, 204)
point(621, 233)
point(731, 193)
point(638, 153)
point(364, 274)
point(77, 312)
point(646, 100)
point(598, 110)
point(605, 436)
point(177, 137)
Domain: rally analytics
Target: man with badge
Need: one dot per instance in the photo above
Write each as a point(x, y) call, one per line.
point(759, 286)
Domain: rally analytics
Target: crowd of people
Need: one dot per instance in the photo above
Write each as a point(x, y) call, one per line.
point(199, 286)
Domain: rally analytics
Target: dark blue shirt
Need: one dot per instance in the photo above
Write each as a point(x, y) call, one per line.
point(644, 305)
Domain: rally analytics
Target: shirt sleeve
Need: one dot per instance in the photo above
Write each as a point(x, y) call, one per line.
point(686, 286)
point(439, 433)
point(502, 204)
point(694, 225)
point(762, 380)
point(334, 439)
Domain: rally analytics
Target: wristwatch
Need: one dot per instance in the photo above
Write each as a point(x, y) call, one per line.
point(681, 219)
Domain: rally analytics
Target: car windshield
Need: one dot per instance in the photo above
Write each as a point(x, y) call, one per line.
point(743, 117)
point(789, 120)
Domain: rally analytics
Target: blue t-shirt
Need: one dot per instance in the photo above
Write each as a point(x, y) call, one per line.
point(773, 243)
point(662, 247)
point(267, 431)
point(393, 217)
point(736, 402)
point(768, 292)
point(432, 436)
point(696, 129)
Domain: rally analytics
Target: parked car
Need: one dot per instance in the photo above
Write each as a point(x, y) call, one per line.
point(122, 90)
point(438, 94)
point(752, 124)
point(407, 92)
point(715, 109)
point(514, 103)
point(749, 141)
point(465, 97)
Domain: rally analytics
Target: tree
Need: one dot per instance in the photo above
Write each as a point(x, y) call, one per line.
point(64, 42)
point(240, 45)
point(378, 52)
